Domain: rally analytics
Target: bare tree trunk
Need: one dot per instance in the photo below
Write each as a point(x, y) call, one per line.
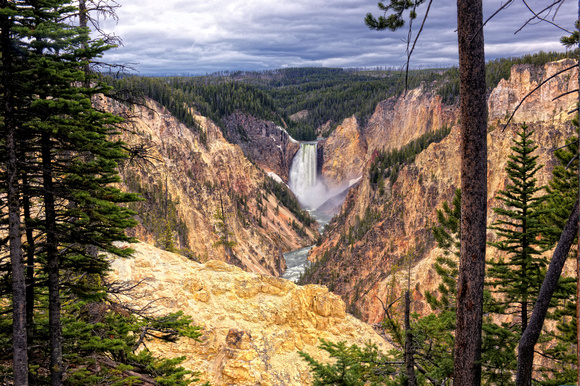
point(55, 329)
point(532, 332)
point(409, 348)
point(19, 335)
point(474, 192)
point(30, 250)
point(578, 257)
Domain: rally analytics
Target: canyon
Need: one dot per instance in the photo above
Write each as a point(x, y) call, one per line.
point(368, 271)
point(206, 200)
point(213, 200)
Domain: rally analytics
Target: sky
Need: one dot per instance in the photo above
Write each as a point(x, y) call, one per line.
point(197, 37)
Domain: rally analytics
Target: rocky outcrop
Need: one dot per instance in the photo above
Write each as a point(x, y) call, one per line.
point(399, 120)
point(540, 106)
point(343, 154)
point(300, 115)
point(268, 145)
point(253, 325)
point(394, 123)
point(376, 235)
point(203, 195)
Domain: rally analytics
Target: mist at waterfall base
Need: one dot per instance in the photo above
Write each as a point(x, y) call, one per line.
point(311, 193)
point(304, 182)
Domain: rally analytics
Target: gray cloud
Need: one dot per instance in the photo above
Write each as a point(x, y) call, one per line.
point(198, 37)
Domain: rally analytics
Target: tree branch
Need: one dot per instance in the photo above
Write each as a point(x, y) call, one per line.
point(534, 90)
point(532, 332)
point(537, 16)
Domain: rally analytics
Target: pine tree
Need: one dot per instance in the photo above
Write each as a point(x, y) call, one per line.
point(516, 280)
point(562, 192)
point(11, 100)
point(61, 161)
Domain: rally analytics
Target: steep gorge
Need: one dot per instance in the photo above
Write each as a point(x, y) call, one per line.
point(364, 250)
point(205, 199)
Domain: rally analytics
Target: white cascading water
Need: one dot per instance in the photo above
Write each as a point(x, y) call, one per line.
point(303, 177)
point(311, 192)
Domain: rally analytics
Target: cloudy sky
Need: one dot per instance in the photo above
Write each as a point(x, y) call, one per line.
point(204, 36)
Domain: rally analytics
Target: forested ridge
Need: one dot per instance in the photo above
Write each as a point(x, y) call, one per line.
point(326, 95)
point(62, 215)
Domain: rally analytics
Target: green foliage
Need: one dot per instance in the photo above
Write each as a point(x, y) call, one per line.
point(351, 366)
point(387, 164)
point(157, 212)
point(328, 94)
point(562, 192)
point(68, 153)
point(361, 226)
point(395, 20)
point(447, 236)
point(573, 39)
point(179, 103)
point(516, 281)
point(287, 198)
point(562, 189)
point(104, 337)
point(223, 232)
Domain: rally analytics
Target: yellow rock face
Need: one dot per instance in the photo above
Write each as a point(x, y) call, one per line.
point(408, 208)
point(254, 325)
point(343, 154)
point(198, 178)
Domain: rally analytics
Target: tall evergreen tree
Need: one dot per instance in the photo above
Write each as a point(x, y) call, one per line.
point(562, 192)
point(9, 125)
point(516, 279)
point(60, 160)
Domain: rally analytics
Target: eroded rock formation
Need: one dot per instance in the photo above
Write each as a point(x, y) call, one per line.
point(254, 325)
point(205, 197)
point(268, 145)
point(343, 154)
point(397, 224)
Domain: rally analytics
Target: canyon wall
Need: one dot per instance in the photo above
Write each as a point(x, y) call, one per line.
point(253, 325)
point(378, 236)
point(343, 154)
point(268, 145)
point(394, 123)
point(202, 195)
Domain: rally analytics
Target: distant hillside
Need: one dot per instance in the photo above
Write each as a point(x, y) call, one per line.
point(308, 101)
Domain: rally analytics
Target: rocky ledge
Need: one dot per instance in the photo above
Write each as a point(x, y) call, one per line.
point(254, 325)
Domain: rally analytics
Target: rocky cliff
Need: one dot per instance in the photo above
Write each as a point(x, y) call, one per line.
point(254, 325)
point(268, 145)
point(343, 154)
point(376, 235)
point(394, 123)
point(202, 195)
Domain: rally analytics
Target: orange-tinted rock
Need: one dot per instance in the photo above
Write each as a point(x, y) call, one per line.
point(197, 179)
point(254, 325)
point(364, 273)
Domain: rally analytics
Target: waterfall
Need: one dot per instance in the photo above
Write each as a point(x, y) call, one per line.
point(303, 177)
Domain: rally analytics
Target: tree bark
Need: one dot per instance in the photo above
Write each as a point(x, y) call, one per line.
point(56, 369)
point(532, 332)
point(19, 335)
point(409, 348)
point(473, 105)
point(30, 250)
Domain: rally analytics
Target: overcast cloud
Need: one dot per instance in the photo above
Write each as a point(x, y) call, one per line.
point(204, 36)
